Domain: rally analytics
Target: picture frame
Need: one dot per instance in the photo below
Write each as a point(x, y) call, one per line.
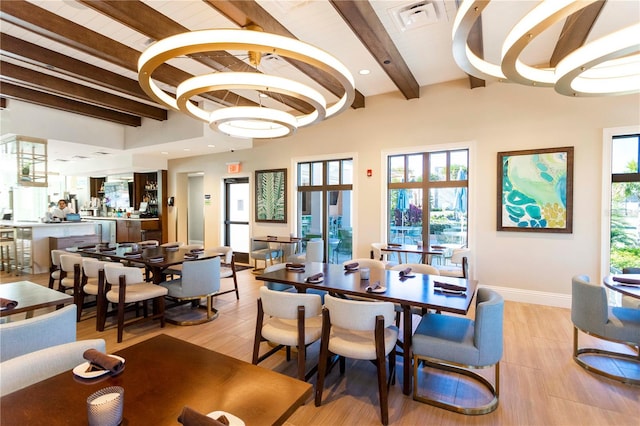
point(535, 190)
point(271, 196)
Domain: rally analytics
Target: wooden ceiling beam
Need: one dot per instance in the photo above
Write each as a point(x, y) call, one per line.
point(575, 31)
point(244, 12)
point(28, 52)
point(366, 25)
point(25, 76)
point(42, 22)
point(24, 94)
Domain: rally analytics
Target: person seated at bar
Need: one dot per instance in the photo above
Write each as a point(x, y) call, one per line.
point(62, 210)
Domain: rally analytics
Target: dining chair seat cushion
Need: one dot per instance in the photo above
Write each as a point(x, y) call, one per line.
point(446, 337)
point(68, 281)
point(450, 271)
point(33, 367)
point(360, 344)
point(285, 331)
point(623, 325)
point(226, 272)
point(630, 302)
point(137, 292)
point(56, 274)
point(91, 287)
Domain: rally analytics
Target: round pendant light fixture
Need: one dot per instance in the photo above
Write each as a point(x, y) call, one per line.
point(243, 121)
point(606, 66)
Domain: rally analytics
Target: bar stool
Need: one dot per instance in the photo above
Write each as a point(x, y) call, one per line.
point(7, 247)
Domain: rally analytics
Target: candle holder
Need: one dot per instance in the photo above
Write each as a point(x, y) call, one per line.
point(104, 407)
point(364, 273)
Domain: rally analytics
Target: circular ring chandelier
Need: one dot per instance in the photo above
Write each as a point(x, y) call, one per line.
point(246, 122)
point(607, 66)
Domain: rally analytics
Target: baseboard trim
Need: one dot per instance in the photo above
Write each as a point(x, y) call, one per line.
point(536, 297)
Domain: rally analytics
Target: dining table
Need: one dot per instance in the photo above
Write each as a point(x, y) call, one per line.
point(31, 296)
point(425, 252)
point(627, 284)
point(281, 241)
point(162, 375)
point(156, 259)
point(412, 290)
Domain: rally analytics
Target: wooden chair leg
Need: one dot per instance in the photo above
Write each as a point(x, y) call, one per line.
point(235, 278)
point(382, 370)
point(301, 346)
point(122, 292)
point(324, 356)
point(258, 335)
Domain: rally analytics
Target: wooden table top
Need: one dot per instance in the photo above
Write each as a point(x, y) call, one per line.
point(632, 290)
point(417, 291)
point(31, 296)
point(162, 375)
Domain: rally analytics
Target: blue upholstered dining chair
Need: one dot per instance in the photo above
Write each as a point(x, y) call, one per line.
point(262, 250)
point(591, 314)
point(458, 345)
point(628, 301)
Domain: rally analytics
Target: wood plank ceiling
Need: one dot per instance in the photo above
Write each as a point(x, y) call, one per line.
point(103, 85)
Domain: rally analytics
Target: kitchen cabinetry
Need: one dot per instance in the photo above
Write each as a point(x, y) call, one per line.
point(151, 187)
point(135, 230)
point(96, 186)
point(61, 243)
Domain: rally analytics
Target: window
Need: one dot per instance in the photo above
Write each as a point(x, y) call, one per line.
point(624, 225)
point(428, 191)
point(325, 204)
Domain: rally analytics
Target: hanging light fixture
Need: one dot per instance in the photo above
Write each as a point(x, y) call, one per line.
point(246, 121)
point(606, 66)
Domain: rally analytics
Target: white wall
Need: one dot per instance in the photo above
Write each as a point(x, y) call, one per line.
point(500, 117)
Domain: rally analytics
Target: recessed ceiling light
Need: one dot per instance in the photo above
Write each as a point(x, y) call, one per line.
point(211, 146)
point(164, 152)
point(186, 149)
point(364, 72)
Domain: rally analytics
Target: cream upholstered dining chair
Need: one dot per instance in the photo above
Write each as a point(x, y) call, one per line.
point(292, 320)
point(419, 268)
point(359, 330)
point(200, 279)
point(313, 252)
point(128, 286)
point(228, 269)
point(367, 263)
point(458, 345)
point(591, 314)
point(378, 254)
point(91, 268)
point(459, 264)
point(64, 277)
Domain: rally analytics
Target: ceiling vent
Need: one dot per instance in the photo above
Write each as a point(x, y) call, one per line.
point(419, 14)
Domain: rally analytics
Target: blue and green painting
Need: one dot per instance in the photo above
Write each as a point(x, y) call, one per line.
point(534, 190)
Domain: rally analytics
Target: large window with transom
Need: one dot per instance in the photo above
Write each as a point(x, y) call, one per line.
point(427, 197)
point(325, 206)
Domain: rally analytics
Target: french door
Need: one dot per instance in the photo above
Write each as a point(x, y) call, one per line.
point(236, 219)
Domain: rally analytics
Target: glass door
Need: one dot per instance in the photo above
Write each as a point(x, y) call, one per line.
point(236, 221)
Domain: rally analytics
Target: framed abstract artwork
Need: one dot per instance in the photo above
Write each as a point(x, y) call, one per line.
point(271, 196)
point(535, 190)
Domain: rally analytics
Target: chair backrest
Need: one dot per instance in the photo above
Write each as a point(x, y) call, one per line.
point(258, 245)
point(367, 263)
point(315, 251)
point(113, 271)
point(282, 304)
point(92, 267)
point(488, 327)
point(458, 254)
point(42, 331)
point(358, 315)
point(227, 253)
point(377, 251)
point(68, 262)
point(200, 277)
point(589, 308)
point(631, 270)
point(55, 256)
point(419, 268)
point(188, 247)
point(149, 243)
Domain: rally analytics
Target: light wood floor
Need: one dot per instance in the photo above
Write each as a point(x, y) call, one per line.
point(540, 382)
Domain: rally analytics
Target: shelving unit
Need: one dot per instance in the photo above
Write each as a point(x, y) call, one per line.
point(31, 159)
point(152, 188)
point(96, 186)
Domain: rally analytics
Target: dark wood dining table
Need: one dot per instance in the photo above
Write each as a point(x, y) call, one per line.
point(423, 251)
point(31, 296)
point(628, 289)
point(418, 291)
point(161, 376)
point(170, 257)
